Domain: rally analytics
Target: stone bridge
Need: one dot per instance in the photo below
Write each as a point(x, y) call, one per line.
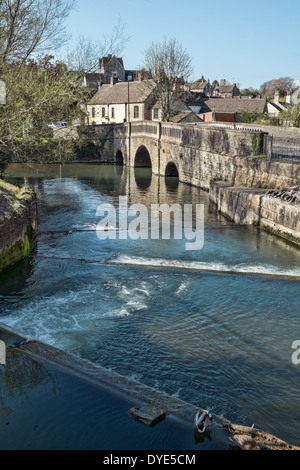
point(196, 153)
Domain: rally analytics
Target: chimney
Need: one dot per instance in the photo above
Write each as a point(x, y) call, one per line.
point(276, 97)
point(288, 98)
point(113, 80)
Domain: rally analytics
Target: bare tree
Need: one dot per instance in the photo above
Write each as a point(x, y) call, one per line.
point(31, 26)
point(85, 55)
point(170, 66)
point(283, 85)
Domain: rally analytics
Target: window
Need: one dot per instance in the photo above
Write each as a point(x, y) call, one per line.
point(155, 113)
point(93, 112)
point(103, 112)
point(113, 113)
point(136, 112)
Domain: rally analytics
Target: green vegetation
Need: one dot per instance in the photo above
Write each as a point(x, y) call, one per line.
point(258, 118)
point(292, 116)
point(18, 251)
point(14, 206)
point(38, 92)
point(257, 144)
point(40, 89)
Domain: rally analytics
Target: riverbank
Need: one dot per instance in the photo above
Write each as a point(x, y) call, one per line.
point(18, 222)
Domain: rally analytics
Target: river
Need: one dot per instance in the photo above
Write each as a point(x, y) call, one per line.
point(213, 326)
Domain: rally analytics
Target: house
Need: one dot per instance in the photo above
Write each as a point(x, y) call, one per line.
point(283, 105)
point(220, 109)
point(276, 106)
point(226, 91)
point(112, 66)
point(295, 97)
point(93, 80)
point(185, 117)
point(200, 86)
point(109, 66)
point(180, 112)
point(121, 101)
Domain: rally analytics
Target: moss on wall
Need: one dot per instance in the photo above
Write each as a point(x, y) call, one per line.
point(18, 222)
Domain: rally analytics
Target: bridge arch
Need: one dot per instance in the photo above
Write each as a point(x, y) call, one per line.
point(171, 169)
point(119, 158)
point(142, 158)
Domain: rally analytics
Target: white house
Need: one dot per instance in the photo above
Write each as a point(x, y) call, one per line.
point(120, 102)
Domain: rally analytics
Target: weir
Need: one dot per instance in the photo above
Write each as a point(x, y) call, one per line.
point(51, 368)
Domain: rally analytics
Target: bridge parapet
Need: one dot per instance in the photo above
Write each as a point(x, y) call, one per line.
point(171, 132)
point(147, 128)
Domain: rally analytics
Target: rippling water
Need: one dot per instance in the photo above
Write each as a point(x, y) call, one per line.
point(214, 327)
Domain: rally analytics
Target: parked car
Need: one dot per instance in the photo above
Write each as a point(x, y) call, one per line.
point(58, 124)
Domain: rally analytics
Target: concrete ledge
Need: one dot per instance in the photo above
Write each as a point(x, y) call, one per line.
point(253, 206)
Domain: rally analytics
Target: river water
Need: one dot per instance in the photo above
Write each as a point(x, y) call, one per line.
point(213, 326)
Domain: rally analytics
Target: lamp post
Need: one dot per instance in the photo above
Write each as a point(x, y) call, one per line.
point(129, 78)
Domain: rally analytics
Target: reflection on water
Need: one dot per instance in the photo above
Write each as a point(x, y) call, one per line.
point(214, 326)
point(143, 178)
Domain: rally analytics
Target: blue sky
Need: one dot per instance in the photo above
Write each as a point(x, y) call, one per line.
point(244, 42)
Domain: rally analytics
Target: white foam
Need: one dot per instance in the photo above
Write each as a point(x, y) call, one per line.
point(207, 266)
point(122, 313)
point(182, 287)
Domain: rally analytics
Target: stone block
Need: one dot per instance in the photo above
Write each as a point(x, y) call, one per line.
point(147, 414)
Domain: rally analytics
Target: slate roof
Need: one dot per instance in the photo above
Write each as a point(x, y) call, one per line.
point(234, 105)
point(107, 59)
point(226, 88)
point(184, 115)
point(118, 94)
point(193, 98)
point(199, 84)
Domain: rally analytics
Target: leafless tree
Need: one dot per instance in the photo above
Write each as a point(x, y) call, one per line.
point(31, 26)
point(86, 53)
point(170, 66)
point(282, 84)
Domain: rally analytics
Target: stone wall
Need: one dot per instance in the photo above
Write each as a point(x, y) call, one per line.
point(252, 206)
point(18, 220)
point(265, 173)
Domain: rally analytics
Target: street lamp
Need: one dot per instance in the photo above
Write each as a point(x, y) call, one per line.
point(129, 79)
